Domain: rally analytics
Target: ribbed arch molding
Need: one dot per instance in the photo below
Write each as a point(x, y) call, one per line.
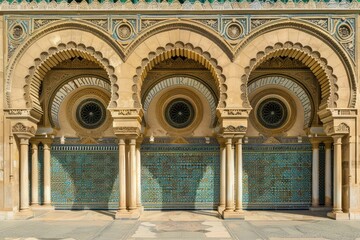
point(182, 81)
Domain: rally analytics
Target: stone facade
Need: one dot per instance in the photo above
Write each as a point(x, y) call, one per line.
point(269, 85)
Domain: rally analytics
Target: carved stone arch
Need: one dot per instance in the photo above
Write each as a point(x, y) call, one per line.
point(84, 47)
point(55, 55)
point(306, 55)
point(182, 24)
point(303, 26)
point(185, 50)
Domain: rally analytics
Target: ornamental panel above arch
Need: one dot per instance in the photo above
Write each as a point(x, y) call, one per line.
point(45, 50)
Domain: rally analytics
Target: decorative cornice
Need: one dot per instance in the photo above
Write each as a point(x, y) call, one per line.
point(187, 5)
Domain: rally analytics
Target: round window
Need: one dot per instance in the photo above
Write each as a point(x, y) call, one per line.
point(272, 113)
point(179, 113)
point(91, 113)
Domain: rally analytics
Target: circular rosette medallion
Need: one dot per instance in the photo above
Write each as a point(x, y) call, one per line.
point(91, 113)
point(272, 113)
point(234, 31)
point(179, 113)
point(124, 31)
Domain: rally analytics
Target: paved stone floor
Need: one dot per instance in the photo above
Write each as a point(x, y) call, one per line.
point(272, 225)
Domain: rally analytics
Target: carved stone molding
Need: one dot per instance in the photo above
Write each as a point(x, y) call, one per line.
point(127, 131)
point(62, 47)
point(163, 53)
point(328, 84)
point(18, 112)
point(20, 128)
point(234, 129)
point(341, 129)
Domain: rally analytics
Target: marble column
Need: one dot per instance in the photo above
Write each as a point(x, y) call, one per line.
point(239, 176)
point(24, 173)
point(138, 177)
point(222, 177)
point(229, 176)
point(34, 174)
point(315, 173)
point(337, 206)
point(122, 175)
point(47, 173)
point(328, 197)
point(132, 203)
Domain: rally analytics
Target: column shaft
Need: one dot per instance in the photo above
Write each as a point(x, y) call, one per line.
point(315, 174)
point(229, 176)
point(132, 203)
point(222, 176)
point(328, 198)
point(122, 175)
point(24, 174)
point(239, 176)
point(34, 175)
point(337, 206)
point(47, 174)
point(138, 175)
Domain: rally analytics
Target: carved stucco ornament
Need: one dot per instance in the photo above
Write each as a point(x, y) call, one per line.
point(234, 129)
point(20, 128)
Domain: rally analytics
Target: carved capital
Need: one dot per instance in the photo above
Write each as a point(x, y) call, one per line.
point(23, 131)
point(341, 129)
point(127, 132)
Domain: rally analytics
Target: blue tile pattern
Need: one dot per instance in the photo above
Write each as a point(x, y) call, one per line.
point(84, 176)
point(277, 176)
point(180, 176)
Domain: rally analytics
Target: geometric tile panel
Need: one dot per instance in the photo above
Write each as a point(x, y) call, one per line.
point(84, 176)
point(277, 176)
point(180, 176)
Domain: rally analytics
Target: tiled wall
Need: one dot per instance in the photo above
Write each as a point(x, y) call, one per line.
point(277, 176)
point(84, 177)
point(176, 176)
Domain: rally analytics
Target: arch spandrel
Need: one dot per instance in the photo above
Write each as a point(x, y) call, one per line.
point(161, 46)
point(309, 49)
point(45, 45)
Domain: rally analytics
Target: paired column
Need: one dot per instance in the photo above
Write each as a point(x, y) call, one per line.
point(47, 173)
point(229, 176)
point(337, 208)
point(34, 174)
point(129, 179)
point(24, 174)
point(122, 175)
point(328, 198)
point(315, 173)
point(239, 176)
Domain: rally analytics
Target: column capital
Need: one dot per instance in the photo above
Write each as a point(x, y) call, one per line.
point(22, 131)
point(328, 143)
point(315, 142)
point(337, 138)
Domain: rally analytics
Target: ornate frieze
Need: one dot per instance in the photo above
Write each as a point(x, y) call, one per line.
point(234, 129)
point(127, 131)
point(341, 129)
point(18, 112)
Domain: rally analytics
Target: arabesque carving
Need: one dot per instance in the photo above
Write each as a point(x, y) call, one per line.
point(234, 129)
point(21, 128)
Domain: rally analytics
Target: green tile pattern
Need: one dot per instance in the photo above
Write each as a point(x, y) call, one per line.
point(277, 176)
point(180, 176)
point(84, 176)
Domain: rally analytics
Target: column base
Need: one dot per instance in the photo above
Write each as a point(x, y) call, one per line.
point(320, 208)
point(24, 214)
point(128, 215)
point(338, 215)
point(42, 207)
point(221, 209)
point(232, 215)
point(140, 209)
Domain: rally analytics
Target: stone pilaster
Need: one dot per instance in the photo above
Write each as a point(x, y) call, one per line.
point(34, 174)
